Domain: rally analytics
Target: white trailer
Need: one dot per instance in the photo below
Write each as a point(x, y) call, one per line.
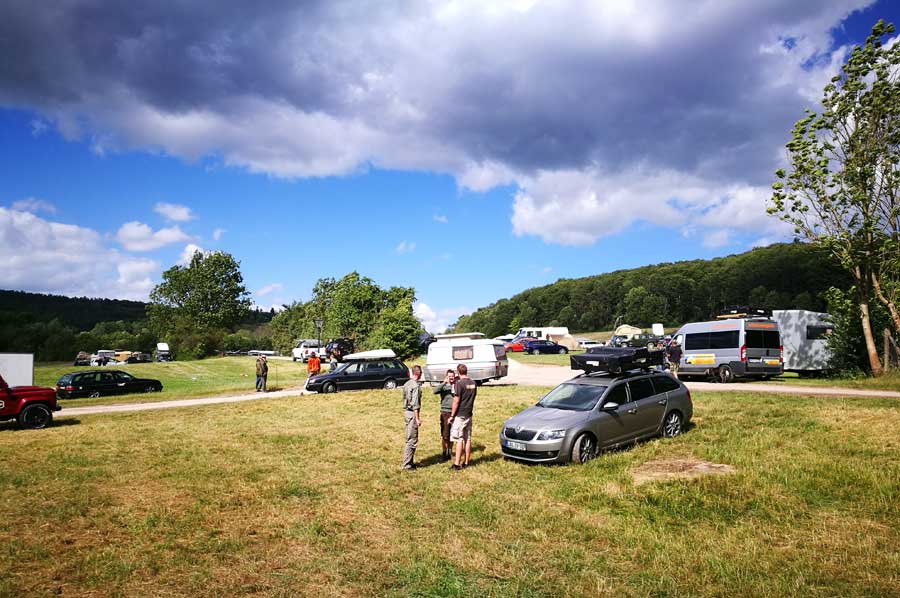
point(804, 335)
point(485, 358)
point(17, 368)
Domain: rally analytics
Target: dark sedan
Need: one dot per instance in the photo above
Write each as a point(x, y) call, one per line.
point(352, 375)
point(543, 346)
point(103, 383)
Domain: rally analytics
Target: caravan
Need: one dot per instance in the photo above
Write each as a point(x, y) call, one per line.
point(804, 335)
point(485, 358)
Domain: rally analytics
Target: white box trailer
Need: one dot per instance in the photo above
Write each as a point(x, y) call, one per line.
point(485, 358)
point(804, 335)
point(17, 368)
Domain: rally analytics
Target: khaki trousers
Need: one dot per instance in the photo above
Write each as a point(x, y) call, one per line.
point(412, 438)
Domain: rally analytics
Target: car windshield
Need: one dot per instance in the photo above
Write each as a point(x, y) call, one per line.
point(572, 397)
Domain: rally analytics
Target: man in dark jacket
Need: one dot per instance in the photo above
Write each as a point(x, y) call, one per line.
point(445, 390)
point(262, 373)
point(673, 355)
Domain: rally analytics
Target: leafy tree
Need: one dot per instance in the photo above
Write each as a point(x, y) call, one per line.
point(842, 191)
point(397, 328)
point(208, 293)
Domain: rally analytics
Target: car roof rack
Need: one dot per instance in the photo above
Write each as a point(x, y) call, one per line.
point(616, 361)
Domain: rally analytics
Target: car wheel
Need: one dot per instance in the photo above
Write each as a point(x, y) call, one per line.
point(534, 351)
point(562, 351)
point(35, 417)
point(584, 449)
point(329, 387)
point(149, 388)
point(725, 375)
point(95, 394)
point(390, 384)
point(294, 359)
point(673, 425)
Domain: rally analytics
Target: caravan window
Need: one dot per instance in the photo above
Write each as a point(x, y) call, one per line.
point(463, 353)
point(762, 339)
point(818, 332)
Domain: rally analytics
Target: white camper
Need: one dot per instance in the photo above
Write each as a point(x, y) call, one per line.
point(804, 335)
point(17, 368)
point(485, 358)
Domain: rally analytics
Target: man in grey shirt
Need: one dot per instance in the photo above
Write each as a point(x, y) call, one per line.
point(412, 402)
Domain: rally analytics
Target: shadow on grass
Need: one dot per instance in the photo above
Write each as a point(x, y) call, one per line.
point(438, 459)
point(13, 425)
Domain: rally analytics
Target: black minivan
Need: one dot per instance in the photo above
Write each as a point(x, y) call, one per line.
point(103, 383)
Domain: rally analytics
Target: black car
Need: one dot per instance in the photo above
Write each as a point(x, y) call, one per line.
point(543, 346)
point(352, 375)
point(103, 383)
point(339, 347)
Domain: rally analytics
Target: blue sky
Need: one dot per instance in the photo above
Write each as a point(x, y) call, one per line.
point(513, 169)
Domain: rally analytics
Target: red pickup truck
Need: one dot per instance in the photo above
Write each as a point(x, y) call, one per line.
point(32, 406)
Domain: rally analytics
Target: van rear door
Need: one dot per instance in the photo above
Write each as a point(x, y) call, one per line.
point(762, 343)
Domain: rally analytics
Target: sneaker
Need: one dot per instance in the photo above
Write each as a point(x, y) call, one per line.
point(408, 468)
point(465, 465)
point(455, 467)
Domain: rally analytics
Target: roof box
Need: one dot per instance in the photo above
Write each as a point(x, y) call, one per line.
point(369, 355)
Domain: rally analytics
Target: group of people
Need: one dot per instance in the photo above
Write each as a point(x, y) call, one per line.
point(457, 394)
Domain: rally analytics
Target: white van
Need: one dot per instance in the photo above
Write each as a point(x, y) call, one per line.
point(305, 347)
point(729, 349)
point(485, 358)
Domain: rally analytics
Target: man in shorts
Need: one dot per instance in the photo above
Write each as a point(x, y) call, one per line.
point(464, 391)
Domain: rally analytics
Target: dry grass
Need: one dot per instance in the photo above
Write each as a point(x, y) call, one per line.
point(302, 496)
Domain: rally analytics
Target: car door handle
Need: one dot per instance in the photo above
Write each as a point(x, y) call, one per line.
point(661, 401)
point(632, 411)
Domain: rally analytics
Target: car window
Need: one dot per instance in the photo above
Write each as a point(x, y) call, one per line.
point(572, 397)
point(375, 366)
point(123, 377)
point(617, 394)
point(664, 384)
point(106, 377)
point(641, 389)
point(352, 368)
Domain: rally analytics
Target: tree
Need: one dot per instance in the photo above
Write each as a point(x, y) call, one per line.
point(842, 189)
point(398, 329)
point(208, 293)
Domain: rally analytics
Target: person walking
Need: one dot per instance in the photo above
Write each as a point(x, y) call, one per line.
point(412, 403)
point(464, 391)
point(262, 373)
point(673, 355)
point(445, 391)
point(313, 365)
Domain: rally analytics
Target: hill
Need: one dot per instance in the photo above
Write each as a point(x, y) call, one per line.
point(82, 313)
point(780, 276)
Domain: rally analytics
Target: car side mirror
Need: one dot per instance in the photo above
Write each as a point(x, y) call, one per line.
point(610, 406)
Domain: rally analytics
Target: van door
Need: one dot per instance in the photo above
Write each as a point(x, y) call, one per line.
point(762, 343)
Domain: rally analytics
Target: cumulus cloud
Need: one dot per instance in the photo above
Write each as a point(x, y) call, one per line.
point(640, 111)
point(405, 247)
point(137, 236)
point(187, 254)
point(437, 321)
point(53, 257)
point(440, 218)
point(217, 234)
point(270, 288)
point(34, 205)
point(173, 212)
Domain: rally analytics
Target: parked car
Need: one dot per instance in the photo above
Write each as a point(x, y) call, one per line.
point(578, 418)
point(587, 343)
point(644, 339)
point(517, 346)
point(339, 347)
point(31, 406)
point(376, 372)
point(305, 347)
point(138, 357)
point(83, 358)
point(543, 346)
point(103, 383)
point(731, 348)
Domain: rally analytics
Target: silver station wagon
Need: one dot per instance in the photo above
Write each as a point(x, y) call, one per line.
point(590, 412)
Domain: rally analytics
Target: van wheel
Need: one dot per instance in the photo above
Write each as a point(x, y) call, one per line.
point(584, 449)
point(725, 375)
point(329, 388)
point(390, 384)
point(562, 351)
point(35, 417)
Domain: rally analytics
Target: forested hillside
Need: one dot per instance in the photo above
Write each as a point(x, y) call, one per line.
point(781, 276)
point(81, 313)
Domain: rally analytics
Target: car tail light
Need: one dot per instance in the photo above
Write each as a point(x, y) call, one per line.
point(744, 353)
point(70, 388)
point(781, 353)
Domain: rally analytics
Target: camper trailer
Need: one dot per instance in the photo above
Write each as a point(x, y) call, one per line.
point(804, 335)
point(729, 349)
point(485, 358)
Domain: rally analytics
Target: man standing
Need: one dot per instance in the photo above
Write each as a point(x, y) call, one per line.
point(464, 391)
point(313, 365)
point(673, 355)
point(445, 391)
point(412, 402)
point(262, 372)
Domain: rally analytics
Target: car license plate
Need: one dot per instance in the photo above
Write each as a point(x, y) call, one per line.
point(516, 446)
point(772, 362)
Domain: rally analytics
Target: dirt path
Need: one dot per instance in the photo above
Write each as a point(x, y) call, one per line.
point(551, 375)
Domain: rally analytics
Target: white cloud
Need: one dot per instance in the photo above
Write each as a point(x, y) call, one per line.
point(438, 321)
point(187, 254)
point(173, 212)
point(440, 218)
point(217, 234)
point(547, 270)
point(34, 205)
point(717, 238)
point(137, 236)
point(270, 288)
point(405, 247)
point(38, 127)
point(52, 257)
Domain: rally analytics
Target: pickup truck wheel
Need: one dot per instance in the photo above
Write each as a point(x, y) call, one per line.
point(390, 384)
point(95, 394)
point(329, 387)
point(35, 417)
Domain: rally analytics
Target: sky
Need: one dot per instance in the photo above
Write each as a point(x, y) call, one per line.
point(468, 149)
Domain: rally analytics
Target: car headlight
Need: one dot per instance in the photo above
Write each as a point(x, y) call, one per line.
point(551, 435)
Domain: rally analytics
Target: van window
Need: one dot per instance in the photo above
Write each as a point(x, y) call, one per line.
point(724, 340)
point(462, 353)
point(817, 332)
point(762, 339)
point(696, 342)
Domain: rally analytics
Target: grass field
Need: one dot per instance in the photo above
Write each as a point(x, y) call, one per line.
point(185, 379)
point(302, 496)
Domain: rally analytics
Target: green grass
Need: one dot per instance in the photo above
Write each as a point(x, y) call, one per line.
point(302, 496)
point(890, 381)
point(185, 379)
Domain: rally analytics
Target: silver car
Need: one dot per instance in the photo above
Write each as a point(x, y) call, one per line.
point(578, 418)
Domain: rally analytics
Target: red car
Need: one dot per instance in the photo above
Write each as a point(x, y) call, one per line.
point(32, 406)
point(517, 346)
